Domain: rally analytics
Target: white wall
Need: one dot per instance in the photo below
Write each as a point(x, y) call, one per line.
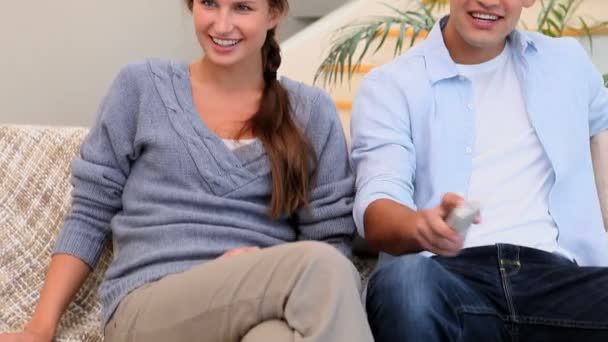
point(57, 58)
point(314, 8)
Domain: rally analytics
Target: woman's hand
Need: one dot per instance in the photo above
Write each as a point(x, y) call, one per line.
point(25, 336)
point(236, 251)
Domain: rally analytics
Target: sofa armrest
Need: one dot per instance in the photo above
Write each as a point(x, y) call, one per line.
point(599, 152)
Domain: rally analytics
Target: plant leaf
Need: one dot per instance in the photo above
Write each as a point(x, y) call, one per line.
point(352, 42)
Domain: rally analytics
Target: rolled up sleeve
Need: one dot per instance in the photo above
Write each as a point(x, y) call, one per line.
point(383, 152)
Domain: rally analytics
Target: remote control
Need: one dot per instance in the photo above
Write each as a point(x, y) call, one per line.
point(461, 218)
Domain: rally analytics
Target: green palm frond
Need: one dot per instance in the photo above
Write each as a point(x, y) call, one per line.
point(554, 16)
point(351, 43)
point(606, 80)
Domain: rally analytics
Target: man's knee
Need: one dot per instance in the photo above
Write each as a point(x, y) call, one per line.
point(407, 282)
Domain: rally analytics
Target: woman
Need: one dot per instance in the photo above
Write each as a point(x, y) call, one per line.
point(202, 174)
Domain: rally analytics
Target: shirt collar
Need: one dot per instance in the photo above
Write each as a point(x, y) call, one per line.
point(439, 63)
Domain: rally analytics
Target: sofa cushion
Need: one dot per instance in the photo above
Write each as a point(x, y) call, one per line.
point(34, 198)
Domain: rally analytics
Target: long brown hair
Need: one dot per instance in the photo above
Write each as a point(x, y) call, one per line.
point(290, 153)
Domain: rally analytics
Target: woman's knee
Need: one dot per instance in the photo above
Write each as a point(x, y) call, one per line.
point(272, 330)
point(324, 259)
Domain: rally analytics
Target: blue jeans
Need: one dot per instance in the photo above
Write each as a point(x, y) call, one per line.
point(491, 293)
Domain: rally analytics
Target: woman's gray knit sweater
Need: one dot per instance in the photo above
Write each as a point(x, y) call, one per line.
point(172, 195)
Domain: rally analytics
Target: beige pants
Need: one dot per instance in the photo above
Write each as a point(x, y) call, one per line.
point(304, 291)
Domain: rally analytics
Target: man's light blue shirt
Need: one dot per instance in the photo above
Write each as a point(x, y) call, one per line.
point(413, 131)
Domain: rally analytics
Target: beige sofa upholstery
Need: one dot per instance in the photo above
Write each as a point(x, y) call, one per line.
point(35, 196)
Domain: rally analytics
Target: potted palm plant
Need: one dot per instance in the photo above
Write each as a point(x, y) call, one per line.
point(351, 43)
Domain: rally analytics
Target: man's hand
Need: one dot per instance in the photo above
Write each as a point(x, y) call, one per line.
point(237, 251)
point(397, 229)
point(433, 234)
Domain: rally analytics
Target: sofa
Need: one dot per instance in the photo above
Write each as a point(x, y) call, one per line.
point(34, 198)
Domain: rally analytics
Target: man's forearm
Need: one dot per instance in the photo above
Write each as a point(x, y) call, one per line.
point(390, 227)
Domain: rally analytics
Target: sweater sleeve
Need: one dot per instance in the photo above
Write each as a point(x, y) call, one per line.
point(328, 218)
point(99, 174)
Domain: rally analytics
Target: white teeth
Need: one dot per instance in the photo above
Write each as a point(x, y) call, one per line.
point(225, 42)
point(484, 16)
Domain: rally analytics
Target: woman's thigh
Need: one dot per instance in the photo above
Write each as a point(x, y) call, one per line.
point(224, 299)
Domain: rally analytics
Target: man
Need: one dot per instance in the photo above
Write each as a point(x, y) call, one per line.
point(482, 111)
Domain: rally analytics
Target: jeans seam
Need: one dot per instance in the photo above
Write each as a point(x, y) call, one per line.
point(478, 310)
point(566, 323)
point(514, 332)
point(505, 285)
point(512, 317)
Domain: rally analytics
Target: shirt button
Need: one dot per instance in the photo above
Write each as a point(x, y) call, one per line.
point(468, 150)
